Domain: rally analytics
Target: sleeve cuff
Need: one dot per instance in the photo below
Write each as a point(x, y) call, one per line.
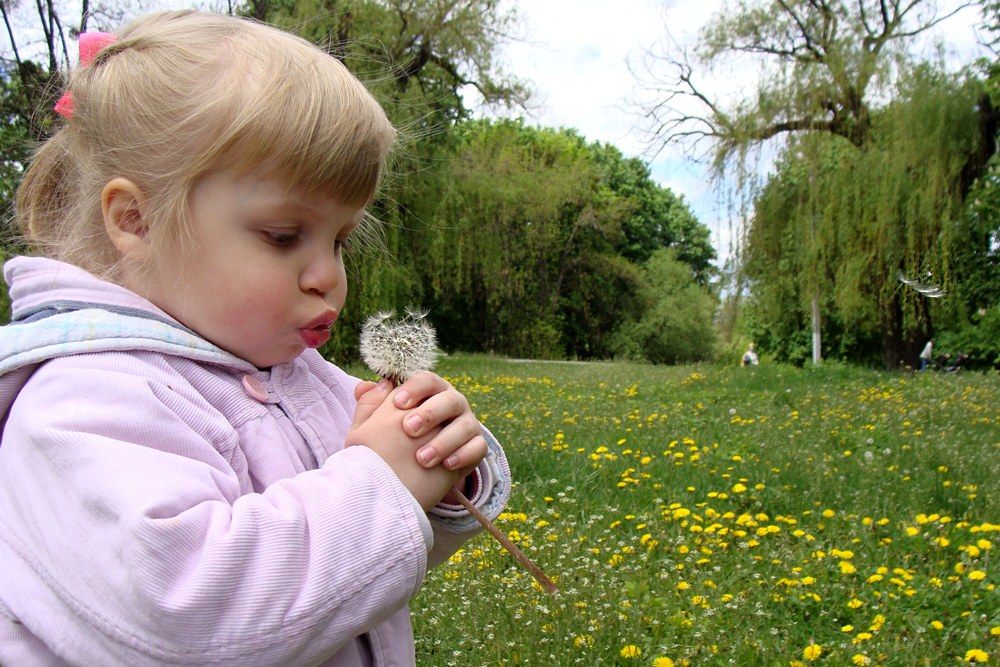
point(491, 489)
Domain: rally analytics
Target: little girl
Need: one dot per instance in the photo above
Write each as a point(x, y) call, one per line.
point(184, 480)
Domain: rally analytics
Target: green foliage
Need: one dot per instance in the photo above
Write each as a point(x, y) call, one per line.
point(979, 338)
point(656, 217)
point(678, 325)
point(522, 240)
point(20, 89)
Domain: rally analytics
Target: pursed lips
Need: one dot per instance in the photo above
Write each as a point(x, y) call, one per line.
point(317, 332)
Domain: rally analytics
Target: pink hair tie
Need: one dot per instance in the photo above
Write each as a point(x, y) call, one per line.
point(90, 44)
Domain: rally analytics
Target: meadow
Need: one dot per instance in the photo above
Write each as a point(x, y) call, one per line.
point(714, 515)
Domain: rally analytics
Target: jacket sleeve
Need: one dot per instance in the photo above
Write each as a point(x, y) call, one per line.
point(453, 525)
point(127, 537)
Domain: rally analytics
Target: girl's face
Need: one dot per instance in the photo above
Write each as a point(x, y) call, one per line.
point(261, 274)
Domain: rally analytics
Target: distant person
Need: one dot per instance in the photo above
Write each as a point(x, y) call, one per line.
point(927, 355)
point(750, 357)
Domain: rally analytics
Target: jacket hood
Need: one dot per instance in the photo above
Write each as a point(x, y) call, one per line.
point(58, 309)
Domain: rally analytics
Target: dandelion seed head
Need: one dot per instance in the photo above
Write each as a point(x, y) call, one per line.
point(397, 348)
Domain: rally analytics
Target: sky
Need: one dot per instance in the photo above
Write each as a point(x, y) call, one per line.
point(576, 55)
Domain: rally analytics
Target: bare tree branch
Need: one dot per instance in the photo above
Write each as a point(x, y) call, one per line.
point(808, 42)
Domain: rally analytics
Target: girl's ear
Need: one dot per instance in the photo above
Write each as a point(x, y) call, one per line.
point(124, 206)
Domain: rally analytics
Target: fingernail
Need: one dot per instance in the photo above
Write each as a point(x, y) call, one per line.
point(451, 462)
point(402, 398)
point(384, 385)
point(414, 422)
point(425, 455)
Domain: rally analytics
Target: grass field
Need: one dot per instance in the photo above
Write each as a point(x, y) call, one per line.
point(729, 516)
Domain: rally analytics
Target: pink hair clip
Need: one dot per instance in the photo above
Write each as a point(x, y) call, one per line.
point(90, 44)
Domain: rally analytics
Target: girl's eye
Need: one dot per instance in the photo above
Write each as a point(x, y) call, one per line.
point(281, 239)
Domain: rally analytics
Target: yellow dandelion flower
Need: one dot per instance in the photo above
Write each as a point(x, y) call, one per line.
point(630, 651)
point(580, 641)
point(976, 655)
point(995, 631)
point(854, 603)
point(663, 662)
point(977, 575)
point(861, 659)
point(847, 568)
point(812, 652)
point(937, 625)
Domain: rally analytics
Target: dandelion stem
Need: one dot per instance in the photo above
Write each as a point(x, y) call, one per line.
point(535, 571)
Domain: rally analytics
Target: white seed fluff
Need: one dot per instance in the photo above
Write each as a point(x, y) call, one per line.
point(398, 348)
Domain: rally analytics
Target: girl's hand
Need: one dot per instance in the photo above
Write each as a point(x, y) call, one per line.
point(460, 444)
point(378, 424)
point(433, 403)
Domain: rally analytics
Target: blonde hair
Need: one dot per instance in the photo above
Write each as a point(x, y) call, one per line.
point(181, 94)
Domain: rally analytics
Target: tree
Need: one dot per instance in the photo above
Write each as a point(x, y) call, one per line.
point(419, 57)
point(830, 68)
point(677, 324)
point(509, 222)
point(529, 238)
point(656, 217)
point(848, 222)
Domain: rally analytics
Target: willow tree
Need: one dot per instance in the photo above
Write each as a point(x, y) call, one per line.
point(851, 221)
point(827, 69)
point(520, 232)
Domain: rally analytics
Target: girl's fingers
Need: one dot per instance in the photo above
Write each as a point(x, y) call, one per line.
point(439, 409)
point(457, 446)
point(468, 457)
point(369, 396)
point(419, 387)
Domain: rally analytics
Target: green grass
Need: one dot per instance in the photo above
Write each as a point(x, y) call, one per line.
point(728, 516)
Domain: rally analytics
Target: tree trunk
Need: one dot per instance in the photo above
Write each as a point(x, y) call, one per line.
point(893, 347)
point(817, 339)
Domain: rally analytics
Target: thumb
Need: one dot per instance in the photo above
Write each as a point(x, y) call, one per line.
point(369, 396)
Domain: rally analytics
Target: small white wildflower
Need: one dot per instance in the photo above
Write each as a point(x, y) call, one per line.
point(396, 349)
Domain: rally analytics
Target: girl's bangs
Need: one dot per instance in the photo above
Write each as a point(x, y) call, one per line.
point(315, 125)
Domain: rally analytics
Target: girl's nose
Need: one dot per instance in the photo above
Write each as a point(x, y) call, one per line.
point(321, 275)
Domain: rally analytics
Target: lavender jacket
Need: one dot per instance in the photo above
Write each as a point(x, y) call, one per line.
point(163, 502)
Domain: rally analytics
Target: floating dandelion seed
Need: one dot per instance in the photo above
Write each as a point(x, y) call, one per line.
point(396, 350)
point(932, 291)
